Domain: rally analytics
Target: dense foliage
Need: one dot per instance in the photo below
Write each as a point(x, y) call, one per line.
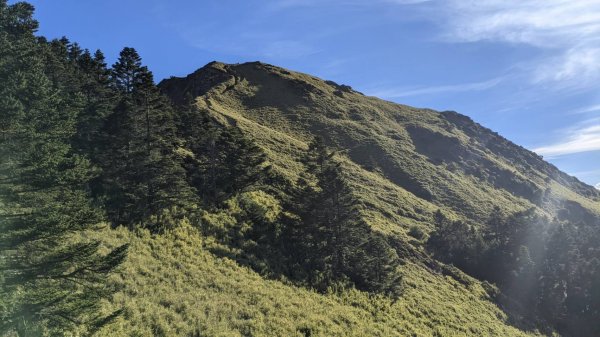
point(547, 269)
point(328, 241)
point(49, 281)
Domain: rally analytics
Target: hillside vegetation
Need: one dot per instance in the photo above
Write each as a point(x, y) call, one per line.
point(250, 200)
point(173, 285)
point(407, 166)
point(426, 159)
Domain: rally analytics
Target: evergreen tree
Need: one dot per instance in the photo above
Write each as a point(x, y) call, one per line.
point(330, 240)
point(378, 267)
point(128, 72)
point(222, 162)
point(142, 171)
point(245, 162)
point(49, 280)
point(557, 271)
point(99, 100)
point(456, 242)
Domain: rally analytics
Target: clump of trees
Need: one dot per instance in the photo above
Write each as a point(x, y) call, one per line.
point(546, 269)
point(328, 242)
point(312, 234)
point(50, 281)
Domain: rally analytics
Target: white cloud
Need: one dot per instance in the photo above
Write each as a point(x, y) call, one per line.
point(597, 186)
point(587, 109)
point(538, 22)
point(412, 91)
point(583, 138)
point(576, 68)
point(567, 30)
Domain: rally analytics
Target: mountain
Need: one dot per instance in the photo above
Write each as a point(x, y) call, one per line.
point(249, 200)
point(404, 165)
point(404, 162)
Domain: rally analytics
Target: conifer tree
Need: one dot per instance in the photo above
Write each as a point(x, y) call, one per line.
point(98, 103)
point(223, 162)
point(378, 266)
point(245, 161)
point(333, 243)
point(49, 280)
point(142, 173)
point(127, 72)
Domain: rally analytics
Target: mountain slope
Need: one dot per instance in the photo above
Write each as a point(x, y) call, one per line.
point(404, 162)
point(172, 286)
point(403, 165)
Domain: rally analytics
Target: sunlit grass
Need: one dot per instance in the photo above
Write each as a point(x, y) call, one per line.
point(172, 286)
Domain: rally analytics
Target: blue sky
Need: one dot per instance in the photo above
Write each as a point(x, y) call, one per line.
point(528, 69)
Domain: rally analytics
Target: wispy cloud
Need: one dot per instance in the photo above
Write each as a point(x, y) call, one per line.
point(548, 23)
point(577, 68)
point(567, 30)
point(584, 137)
point(416, 91)
point(587, 109)
point(589, 173)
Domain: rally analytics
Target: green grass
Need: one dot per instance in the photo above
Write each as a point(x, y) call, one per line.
point(281, 111)
point(171, 285)
point(402, 163)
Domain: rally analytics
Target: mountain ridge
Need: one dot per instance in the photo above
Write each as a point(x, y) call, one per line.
point(409, 168)
point(262, 87)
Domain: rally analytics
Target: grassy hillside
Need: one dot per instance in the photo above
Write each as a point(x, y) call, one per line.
point(172, 285)
point(403, 164)
point(213, 234)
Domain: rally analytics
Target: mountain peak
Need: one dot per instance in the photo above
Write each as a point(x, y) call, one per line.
point(443, 159)
point(256, 73)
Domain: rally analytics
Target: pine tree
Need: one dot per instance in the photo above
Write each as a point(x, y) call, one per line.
point(332, 242)
point(246, 162)
point(98, 103)
point(223, 162)
point(378, 267)
point(49, 280)
point(339, 218)
point(556, 271)
point(456, 242)
point(142, 172)
point(127, 71)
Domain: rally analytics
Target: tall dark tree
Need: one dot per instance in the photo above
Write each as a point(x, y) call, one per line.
point(128, 72)
point(222, 161)
point(330, 240)
point(49, 280)
point(142, 171)
point(98, 99)
point(456, 242)
point(377, 267)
